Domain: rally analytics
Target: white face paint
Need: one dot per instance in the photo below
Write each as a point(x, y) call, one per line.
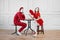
point(21, 10)
point(37, 9)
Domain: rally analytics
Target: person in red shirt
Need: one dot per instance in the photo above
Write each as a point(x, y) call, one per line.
point(17, 20)
point(37, 17)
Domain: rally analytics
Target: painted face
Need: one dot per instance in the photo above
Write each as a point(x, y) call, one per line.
point(21, 10)
point(36, 9)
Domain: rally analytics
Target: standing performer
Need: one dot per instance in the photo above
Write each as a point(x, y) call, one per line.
point(37, 17)
point(17, 20)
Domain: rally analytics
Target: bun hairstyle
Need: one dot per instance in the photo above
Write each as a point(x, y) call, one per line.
point(20, 8)
point(37, 9)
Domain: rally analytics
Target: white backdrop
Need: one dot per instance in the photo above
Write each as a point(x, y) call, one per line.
point(49, 9)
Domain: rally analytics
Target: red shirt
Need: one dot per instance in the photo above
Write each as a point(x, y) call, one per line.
point(18, 16)
point(36, 15)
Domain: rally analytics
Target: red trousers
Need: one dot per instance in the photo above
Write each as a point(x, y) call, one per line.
point(23, 25)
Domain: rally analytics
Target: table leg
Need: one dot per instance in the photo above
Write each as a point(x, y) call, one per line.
point(32, 30)
point(25, 31)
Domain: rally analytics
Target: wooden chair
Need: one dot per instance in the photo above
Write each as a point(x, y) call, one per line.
point(42, 30)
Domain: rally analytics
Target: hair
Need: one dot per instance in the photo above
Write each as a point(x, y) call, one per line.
point(36, 8)
point(20, 8)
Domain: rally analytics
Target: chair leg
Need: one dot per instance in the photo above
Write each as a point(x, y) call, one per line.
point(37, 29)
point(15, 31)
point(42, 29)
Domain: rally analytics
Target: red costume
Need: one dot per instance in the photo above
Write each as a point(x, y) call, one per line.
point(19, 16)
point(36, 15)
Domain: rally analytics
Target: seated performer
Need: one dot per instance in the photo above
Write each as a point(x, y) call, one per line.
point(36, 16)
point(17, 20)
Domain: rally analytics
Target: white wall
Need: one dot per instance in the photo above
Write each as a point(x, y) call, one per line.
point(49, 9)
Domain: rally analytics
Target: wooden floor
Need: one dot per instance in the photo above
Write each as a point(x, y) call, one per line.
point(49, 35)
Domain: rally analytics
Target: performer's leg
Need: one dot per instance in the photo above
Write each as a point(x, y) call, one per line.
point(23, 25)
point(35, 28)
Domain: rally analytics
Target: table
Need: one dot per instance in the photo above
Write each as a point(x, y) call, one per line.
point(29, 26)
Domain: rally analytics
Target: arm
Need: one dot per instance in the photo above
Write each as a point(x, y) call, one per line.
point(23, 17)
point(31, 14)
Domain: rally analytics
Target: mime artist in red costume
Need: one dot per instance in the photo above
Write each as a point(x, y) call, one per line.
point(17, 20)
point(37, 17)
